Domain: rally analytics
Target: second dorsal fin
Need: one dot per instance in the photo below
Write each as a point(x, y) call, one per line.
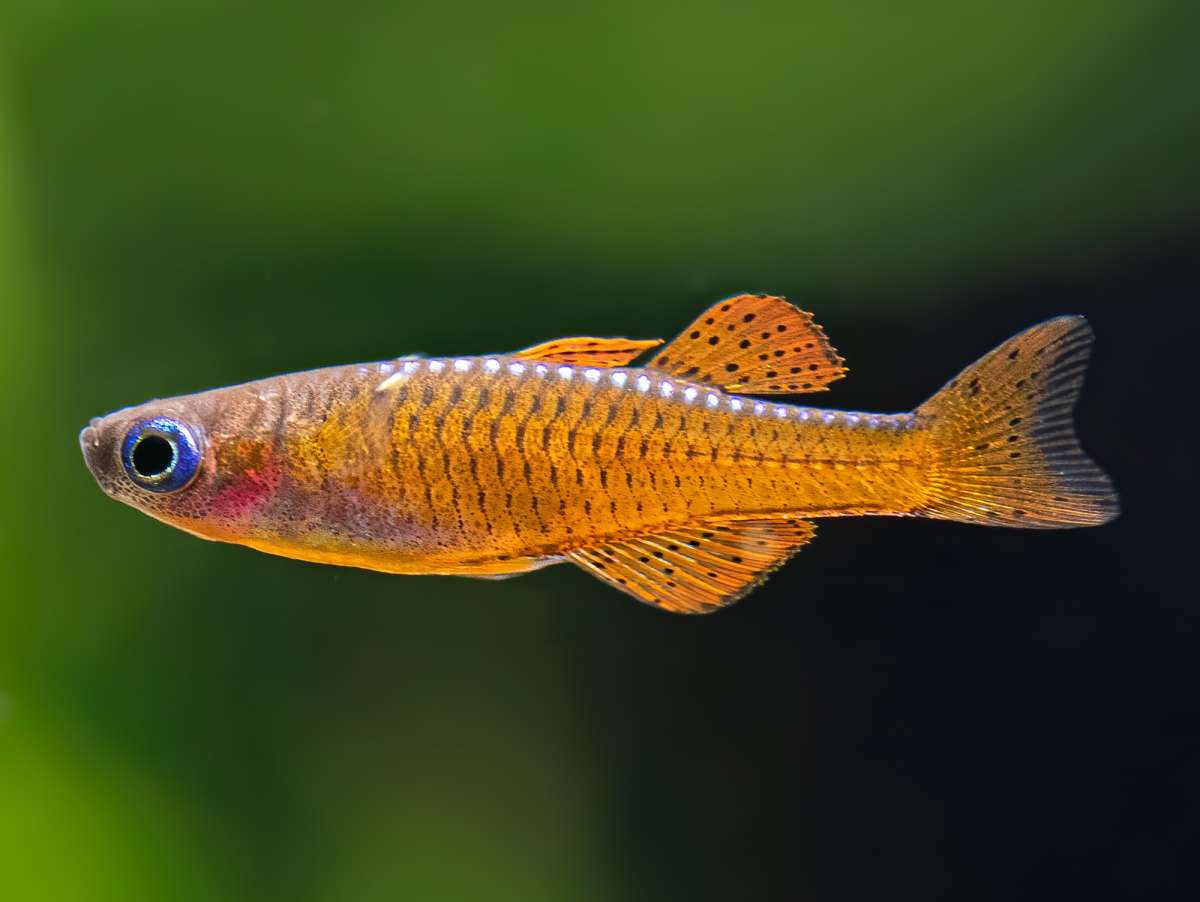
point(590, 351)
point(753, 343)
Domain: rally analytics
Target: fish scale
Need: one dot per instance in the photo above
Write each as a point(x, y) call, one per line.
point(597, 450)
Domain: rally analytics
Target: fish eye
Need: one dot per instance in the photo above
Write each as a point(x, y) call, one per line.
point(161, 455)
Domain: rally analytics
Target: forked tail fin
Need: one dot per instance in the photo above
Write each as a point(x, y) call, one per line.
point(1007, 453)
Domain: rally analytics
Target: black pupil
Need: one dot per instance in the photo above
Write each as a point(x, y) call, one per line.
point(152, 456)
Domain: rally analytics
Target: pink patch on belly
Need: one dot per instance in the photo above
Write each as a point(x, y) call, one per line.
point(245, 494)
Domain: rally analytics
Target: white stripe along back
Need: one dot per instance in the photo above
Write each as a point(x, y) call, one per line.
point(646, 382)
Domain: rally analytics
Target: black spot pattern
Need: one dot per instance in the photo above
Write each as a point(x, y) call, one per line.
point(758, 329)
point(693, 570)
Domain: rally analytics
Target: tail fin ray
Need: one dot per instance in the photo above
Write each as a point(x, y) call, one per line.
point(1007, 453)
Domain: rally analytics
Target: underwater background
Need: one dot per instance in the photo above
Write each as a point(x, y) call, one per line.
point(197, 194)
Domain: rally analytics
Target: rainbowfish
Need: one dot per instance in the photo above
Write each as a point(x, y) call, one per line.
point(669, 481)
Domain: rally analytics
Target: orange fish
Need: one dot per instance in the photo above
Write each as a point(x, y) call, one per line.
point(665, 481)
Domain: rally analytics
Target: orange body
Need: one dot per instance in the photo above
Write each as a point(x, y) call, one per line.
point(466, 471)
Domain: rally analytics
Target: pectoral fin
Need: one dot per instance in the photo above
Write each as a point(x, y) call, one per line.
point(590, 351)
point(698, 567)
point(753, 343)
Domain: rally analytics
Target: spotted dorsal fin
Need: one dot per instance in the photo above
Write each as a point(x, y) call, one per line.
point(590, 351)
point(754, 343)
point(697, 567)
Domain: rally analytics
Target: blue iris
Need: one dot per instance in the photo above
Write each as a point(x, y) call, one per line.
point(161, 455)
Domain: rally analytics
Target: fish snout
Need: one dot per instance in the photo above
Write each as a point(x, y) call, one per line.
point(89, 444)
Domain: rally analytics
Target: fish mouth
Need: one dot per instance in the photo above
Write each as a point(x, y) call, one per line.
point(89, 444)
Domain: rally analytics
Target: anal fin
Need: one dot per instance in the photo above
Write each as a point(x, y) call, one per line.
point(698, 567)
point(590, 351)
point(753, 343)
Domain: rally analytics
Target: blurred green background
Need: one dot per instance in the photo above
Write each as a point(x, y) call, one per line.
point(195, 194)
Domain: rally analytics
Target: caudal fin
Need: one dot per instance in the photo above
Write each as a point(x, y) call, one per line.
point(1007, 450)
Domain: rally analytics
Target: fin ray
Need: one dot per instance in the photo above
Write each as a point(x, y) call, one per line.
point(698, 567)
point(757, 344)
point(1007, 450)
point(584, 350)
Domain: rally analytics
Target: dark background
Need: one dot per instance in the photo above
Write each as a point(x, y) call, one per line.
point(205, 193)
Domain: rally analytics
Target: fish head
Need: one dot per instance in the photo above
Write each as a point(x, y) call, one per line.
point(159, 458)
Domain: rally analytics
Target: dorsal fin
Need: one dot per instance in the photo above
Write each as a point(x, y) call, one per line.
point(754, 343)
point(696, 567)
point(590, 351)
